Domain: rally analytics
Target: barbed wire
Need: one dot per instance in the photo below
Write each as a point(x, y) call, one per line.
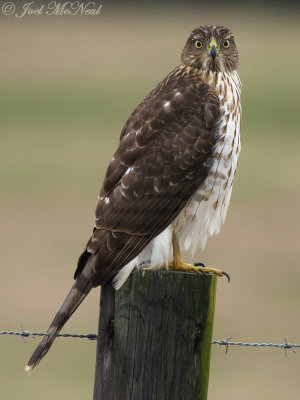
point(285, 346)
point(92, 336)
point(24, 333)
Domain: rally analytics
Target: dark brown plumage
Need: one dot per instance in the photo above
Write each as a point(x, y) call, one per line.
point(166, 151)
point(162, 178)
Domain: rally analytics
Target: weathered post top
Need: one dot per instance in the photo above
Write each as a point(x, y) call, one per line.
point(155, 337)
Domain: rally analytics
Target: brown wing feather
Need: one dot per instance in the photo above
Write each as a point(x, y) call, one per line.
point(163, 157)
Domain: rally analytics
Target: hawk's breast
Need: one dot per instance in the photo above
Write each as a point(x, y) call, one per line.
point(206, 211)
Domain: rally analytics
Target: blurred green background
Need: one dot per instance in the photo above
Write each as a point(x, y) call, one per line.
point(67, 86)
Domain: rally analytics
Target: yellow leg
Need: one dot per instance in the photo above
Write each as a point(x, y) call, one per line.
point(178, 265)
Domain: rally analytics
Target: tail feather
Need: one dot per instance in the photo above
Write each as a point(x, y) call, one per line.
point(77, 294)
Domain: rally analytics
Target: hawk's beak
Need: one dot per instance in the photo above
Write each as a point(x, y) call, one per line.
point(213, 48)
point(213, 52)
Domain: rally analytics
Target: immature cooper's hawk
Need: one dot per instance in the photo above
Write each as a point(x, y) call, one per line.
point(169, 183)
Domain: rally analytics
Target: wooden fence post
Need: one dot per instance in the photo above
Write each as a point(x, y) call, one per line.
point(155, 337)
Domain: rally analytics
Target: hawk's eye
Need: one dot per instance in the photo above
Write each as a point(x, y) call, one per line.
point(226, 44)
point(198, 44)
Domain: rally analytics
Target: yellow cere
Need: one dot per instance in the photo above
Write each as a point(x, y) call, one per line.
point(213, 42)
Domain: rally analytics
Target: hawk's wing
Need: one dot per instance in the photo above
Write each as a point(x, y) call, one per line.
point(164, 155)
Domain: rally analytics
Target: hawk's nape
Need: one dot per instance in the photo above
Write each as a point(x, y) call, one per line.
point(170, 180)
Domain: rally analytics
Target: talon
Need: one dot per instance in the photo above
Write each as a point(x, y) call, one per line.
point(199, 264)
point(227, 276)
point(201, 271)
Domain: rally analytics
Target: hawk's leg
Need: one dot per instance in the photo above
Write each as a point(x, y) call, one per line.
point(178, 265)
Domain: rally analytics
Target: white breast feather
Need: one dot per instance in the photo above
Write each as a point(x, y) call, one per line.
point(206, 211)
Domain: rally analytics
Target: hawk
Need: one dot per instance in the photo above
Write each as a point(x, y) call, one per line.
point(169, 183)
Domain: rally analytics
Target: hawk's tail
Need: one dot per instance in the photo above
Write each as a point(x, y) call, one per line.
point(79, 291)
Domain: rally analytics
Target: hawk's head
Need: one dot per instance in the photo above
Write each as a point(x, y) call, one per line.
point(211, 48)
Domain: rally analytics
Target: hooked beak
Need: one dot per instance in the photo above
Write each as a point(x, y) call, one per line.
point(213, 48)
point(213, 52)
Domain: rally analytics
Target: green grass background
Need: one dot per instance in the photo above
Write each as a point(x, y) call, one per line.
point(67, 86)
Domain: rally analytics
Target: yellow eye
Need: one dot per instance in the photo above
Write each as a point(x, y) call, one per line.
point(226, 44)
point(198, 44)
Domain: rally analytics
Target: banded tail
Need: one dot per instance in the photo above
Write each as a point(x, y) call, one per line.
point(77, 294)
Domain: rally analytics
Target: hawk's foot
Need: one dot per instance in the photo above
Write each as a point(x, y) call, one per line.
point(200, 268)
point(215, 271)
point(179, 265)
